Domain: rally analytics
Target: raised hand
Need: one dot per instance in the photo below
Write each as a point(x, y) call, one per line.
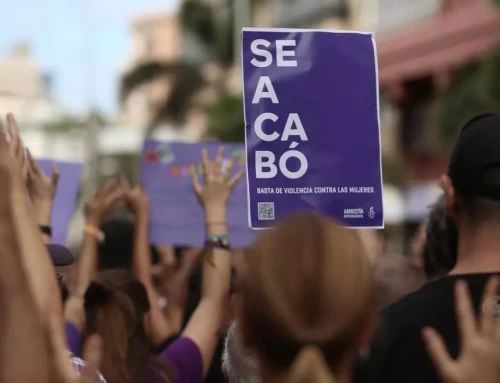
point(217, 184)
point(479, 359)
point(138, 201)
point(16, 147)
point(41, 187)
point(107, 200)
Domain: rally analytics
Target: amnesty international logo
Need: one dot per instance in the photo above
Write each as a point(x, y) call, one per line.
point(371, 213)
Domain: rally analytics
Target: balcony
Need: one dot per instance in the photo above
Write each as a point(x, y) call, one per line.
point(301, 13)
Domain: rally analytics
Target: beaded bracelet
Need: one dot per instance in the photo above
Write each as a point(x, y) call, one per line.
point(95, 232)
point(215, 241)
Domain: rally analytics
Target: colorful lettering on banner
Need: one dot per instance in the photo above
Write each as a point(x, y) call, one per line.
point(312, 130)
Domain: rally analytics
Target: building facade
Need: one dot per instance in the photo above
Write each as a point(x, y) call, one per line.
point(25, 90)
point(154, 37)
point(420, 45)
point(159, 37)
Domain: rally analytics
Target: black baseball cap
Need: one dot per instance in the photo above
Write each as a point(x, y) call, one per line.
point(476, 153)
point(60, 255)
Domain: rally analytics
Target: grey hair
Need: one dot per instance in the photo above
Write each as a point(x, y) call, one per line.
point(239, 363)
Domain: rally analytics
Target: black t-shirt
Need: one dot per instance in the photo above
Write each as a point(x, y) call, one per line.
point(398, 353)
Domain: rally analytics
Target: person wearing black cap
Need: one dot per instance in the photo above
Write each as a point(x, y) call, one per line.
point(472, 193)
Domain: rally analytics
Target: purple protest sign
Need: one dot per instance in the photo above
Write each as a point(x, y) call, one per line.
point(312, 127)
point(67, 193)
point(176, 216)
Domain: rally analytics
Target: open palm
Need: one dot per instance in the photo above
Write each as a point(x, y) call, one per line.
point(479, 359)
point(217, 184)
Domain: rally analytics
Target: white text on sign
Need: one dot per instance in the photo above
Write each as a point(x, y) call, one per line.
point(265, 166)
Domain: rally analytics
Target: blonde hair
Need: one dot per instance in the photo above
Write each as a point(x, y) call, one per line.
point(308, 294)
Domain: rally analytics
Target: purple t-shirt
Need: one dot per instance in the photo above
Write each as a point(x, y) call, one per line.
point(73, 338)
point(183, 356)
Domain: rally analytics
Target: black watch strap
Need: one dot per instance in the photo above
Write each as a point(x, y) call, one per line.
point(47, 230)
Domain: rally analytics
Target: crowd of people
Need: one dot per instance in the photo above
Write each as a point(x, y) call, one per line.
point(308, 301)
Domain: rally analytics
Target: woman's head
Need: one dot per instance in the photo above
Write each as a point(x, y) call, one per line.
point(307, 297)
point(115, 306)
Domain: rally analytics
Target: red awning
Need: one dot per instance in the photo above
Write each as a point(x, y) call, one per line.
point(444, 41)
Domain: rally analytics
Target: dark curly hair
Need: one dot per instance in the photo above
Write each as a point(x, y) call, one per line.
point(440, 250)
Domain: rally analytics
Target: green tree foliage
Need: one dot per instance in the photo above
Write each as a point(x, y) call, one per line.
point(68, 124)
point(63, 125)
point(187, 81)
point(226, 121)
point(213, 28)
point(474, 89)
point(393, 171)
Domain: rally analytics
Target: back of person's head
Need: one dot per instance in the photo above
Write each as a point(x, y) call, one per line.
point(116, 250)
point(472, 186)
point(307, 299)
point(441, 241)
point(239, 364)
point(115, 305)
point(395, 277)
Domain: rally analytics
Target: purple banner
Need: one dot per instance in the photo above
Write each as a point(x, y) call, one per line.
point(176, 216)
point(312, 128)
point(67, 193)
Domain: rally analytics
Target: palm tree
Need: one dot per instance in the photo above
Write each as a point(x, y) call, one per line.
point(212, 27)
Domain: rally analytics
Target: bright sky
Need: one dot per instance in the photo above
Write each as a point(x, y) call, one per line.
point(64, 34)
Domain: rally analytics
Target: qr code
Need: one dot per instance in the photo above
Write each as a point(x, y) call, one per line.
point(266, 211)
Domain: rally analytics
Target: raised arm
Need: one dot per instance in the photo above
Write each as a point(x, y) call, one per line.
point(204, 326)
point(158, 324)
point(106, 200)
point(33, 252)
point(23, 354)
